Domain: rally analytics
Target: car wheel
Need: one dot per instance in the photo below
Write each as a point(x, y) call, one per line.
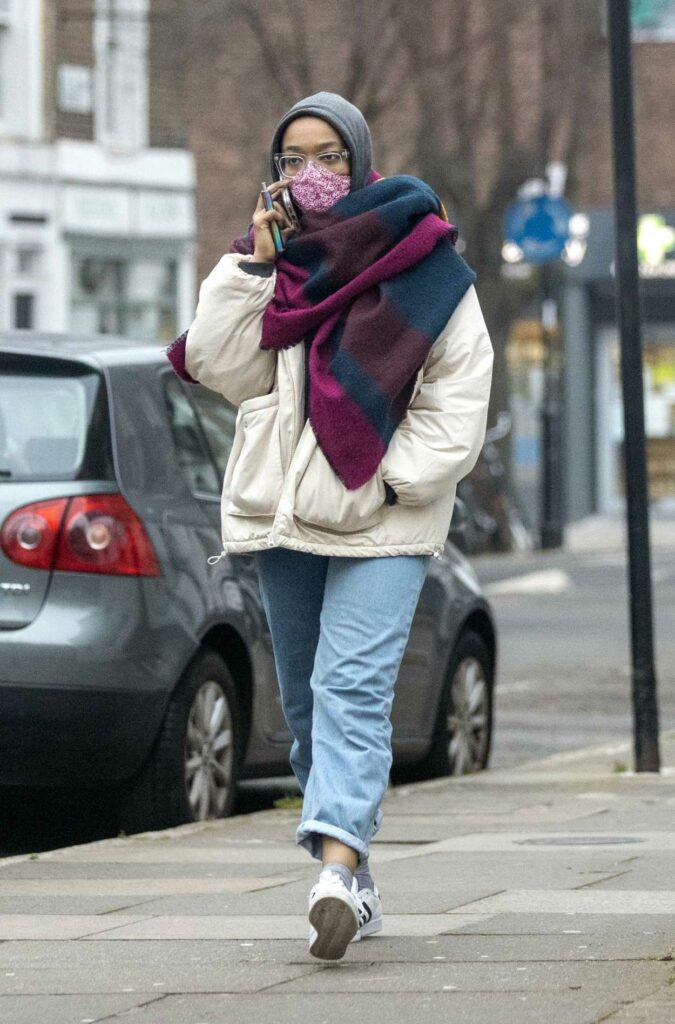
point(191, 773)
point(463, 731)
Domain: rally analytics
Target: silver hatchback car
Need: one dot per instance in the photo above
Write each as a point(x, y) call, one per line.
point(127, 663)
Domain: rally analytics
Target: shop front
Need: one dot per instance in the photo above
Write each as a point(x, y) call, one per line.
point(92, 242)
point(593, 408)
point(130, 259)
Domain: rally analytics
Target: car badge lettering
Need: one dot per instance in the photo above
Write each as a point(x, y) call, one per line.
point(15, 588)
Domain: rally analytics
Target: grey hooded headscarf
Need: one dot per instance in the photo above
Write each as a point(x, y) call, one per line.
point(345, 118)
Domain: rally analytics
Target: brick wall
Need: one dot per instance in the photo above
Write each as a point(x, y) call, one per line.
point(654, 101)
point(166, 64)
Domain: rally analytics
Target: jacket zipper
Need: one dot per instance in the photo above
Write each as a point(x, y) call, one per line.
point(292, 444)
point(271, 538)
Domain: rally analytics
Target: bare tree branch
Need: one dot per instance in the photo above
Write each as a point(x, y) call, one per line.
point(274, 67)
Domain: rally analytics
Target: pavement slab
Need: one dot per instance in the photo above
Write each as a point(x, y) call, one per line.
point(39, 903)
point(513, 869)
point(72, 1009)
point(614, 840)
point(59, 926)
point(658, 1008)
point(138, 886)
point(637, 979)
point(535, 901)
point(177, 957)
point(277, 1007)
point(259, 926)
point(131, 852)
point(109, 869)
point(573, 924)
point(244, 976)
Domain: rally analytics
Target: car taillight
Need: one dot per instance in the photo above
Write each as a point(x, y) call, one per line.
point(29, 534)
point(97, 533)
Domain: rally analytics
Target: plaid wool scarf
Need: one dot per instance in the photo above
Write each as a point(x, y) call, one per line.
point(370, 285)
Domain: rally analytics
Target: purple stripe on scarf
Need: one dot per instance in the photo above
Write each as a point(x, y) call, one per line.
point(346, 436)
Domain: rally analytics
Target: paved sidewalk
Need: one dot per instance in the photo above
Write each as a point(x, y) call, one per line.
point(543, 893)
point(609, 532)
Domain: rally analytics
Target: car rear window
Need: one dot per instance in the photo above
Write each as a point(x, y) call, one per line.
point(53, 426)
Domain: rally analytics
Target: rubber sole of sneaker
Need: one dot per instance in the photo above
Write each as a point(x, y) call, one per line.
point(335, 924)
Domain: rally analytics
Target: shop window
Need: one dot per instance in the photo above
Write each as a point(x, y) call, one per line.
point(24, 310)
point(659, 399)
point(120, 45)
point(135, 298)
point(659, 414)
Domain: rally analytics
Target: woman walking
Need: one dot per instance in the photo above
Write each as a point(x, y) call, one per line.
point(361, 366)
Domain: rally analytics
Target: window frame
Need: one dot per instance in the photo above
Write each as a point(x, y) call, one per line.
point(21, 55)
point(8, 41)
point(112, 34)
point(6, 28)
point(192, 389)
point(97, 459)
point(169, 378)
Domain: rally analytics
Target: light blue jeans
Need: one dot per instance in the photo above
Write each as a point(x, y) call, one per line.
point(339, 628)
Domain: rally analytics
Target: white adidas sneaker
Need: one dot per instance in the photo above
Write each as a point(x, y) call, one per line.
point(369, 907)
point(333, 917)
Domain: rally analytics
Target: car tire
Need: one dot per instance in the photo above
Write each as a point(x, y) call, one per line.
point(191, 773)
point(462, 735)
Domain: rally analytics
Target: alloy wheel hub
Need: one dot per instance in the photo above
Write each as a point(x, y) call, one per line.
point(209, 752)
point(467, 717)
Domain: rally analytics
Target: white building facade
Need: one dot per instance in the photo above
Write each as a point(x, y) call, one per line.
point(96, 233)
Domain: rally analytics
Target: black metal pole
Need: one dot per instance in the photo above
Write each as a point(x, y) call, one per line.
point(551, 532)
point(645, 707)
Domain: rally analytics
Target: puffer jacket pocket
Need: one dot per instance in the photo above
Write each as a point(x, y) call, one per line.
point(322, 500)
point(254, 475)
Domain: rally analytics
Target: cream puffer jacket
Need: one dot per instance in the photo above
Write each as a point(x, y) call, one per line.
point(279, 489)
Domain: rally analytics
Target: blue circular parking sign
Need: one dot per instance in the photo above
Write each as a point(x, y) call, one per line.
point(539, 226)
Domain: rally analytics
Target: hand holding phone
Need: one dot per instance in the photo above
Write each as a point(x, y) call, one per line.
point(274, 227)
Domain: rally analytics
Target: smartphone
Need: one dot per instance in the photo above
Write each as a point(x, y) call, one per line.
point(269, 205)
point(291, 212)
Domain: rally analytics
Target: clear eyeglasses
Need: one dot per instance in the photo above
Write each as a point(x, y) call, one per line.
point(290, 164)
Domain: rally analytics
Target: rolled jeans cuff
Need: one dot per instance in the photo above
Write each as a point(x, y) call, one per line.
point(309, 833)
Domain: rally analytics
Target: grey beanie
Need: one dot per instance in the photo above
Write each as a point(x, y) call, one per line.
point(345, 118)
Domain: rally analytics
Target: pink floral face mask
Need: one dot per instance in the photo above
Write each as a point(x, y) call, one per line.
point(317, 189)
